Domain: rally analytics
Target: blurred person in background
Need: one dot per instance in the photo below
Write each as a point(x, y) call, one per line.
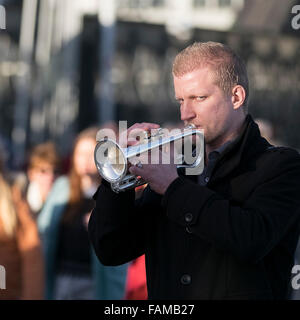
point(20, 248)
point(43, 169)
point(72, 270)
point(136, 285)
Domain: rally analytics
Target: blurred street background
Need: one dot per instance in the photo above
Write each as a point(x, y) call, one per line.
point(68, 64)
point(69, 67)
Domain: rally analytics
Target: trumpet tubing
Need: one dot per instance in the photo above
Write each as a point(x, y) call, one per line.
point(112, 161)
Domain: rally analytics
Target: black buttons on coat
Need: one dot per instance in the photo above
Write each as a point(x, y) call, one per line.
point(186, 279)
point(188, 217)
point(188, 230)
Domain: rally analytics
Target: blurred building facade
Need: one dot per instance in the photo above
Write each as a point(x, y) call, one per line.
point(69, 64)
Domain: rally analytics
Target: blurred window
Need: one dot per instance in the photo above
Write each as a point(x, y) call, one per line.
point(224, 3)
point(158, 3)
point(140, 3)
point(199, 3)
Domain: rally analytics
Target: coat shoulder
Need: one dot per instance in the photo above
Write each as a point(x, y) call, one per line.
point(281, 154)
point(281, 160)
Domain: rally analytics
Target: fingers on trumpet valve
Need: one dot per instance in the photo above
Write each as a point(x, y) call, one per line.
point(139, 165)
point(138, 132)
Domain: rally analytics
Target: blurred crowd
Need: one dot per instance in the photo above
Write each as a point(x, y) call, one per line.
point(44, 244)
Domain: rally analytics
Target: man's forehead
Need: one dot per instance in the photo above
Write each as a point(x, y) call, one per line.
point(203, 77)
point(205, 71)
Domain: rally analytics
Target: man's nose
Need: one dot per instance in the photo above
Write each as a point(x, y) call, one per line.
point(186, 112)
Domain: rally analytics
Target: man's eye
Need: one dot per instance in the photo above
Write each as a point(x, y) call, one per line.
point(200, 98)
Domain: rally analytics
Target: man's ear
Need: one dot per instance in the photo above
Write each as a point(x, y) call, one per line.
point(238, 96)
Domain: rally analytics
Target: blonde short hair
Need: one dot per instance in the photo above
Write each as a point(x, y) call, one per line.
point(229, 69)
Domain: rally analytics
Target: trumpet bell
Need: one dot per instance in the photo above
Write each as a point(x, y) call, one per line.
point(110, 160)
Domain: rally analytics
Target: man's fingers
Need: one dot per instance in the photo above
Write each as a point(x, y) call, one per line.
point(142, 158)
point(144, 126)
point(139, 132)
point(135, 170)
point(136, 132)
point(154, 156)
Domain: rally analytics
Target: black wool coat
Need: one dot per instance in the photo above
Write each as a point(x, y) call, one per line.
point(232, 239)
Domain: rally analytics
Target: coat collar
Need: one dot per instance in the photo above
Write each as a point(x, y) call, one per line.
point(246, 145)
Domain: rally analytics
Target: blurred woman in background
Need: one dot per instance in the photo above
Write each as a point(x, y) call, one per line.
point(72, 269)
point(20, 249)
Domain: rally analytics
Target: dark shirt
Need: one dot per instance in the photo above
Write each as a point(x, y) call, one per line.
point(73, 256)
point(213, 156)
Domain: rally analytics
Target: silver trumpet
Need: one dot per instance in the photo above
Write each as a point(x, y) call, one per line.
point(112, 161)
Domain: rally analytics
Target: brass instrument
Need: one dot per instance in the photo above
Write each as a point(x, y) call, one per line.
point(112, 161)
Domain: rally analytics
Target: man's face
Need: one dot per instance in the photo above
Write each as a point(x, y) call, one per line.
point(204, 104)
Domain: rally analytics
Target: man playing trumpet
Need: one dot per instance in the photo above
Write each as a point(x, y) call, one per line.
point(227, 233)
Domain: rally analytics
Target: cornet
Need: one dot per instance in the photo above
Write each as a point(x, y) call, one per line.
point(112, 161)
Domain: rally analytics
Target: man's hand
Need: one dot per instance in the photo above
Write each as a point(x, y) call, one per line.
point(131, 136)
point(159, 176)
point(160, 173)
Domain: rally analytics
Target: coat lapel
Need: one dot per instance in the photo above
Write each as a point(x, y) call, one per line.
point(246, 145)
